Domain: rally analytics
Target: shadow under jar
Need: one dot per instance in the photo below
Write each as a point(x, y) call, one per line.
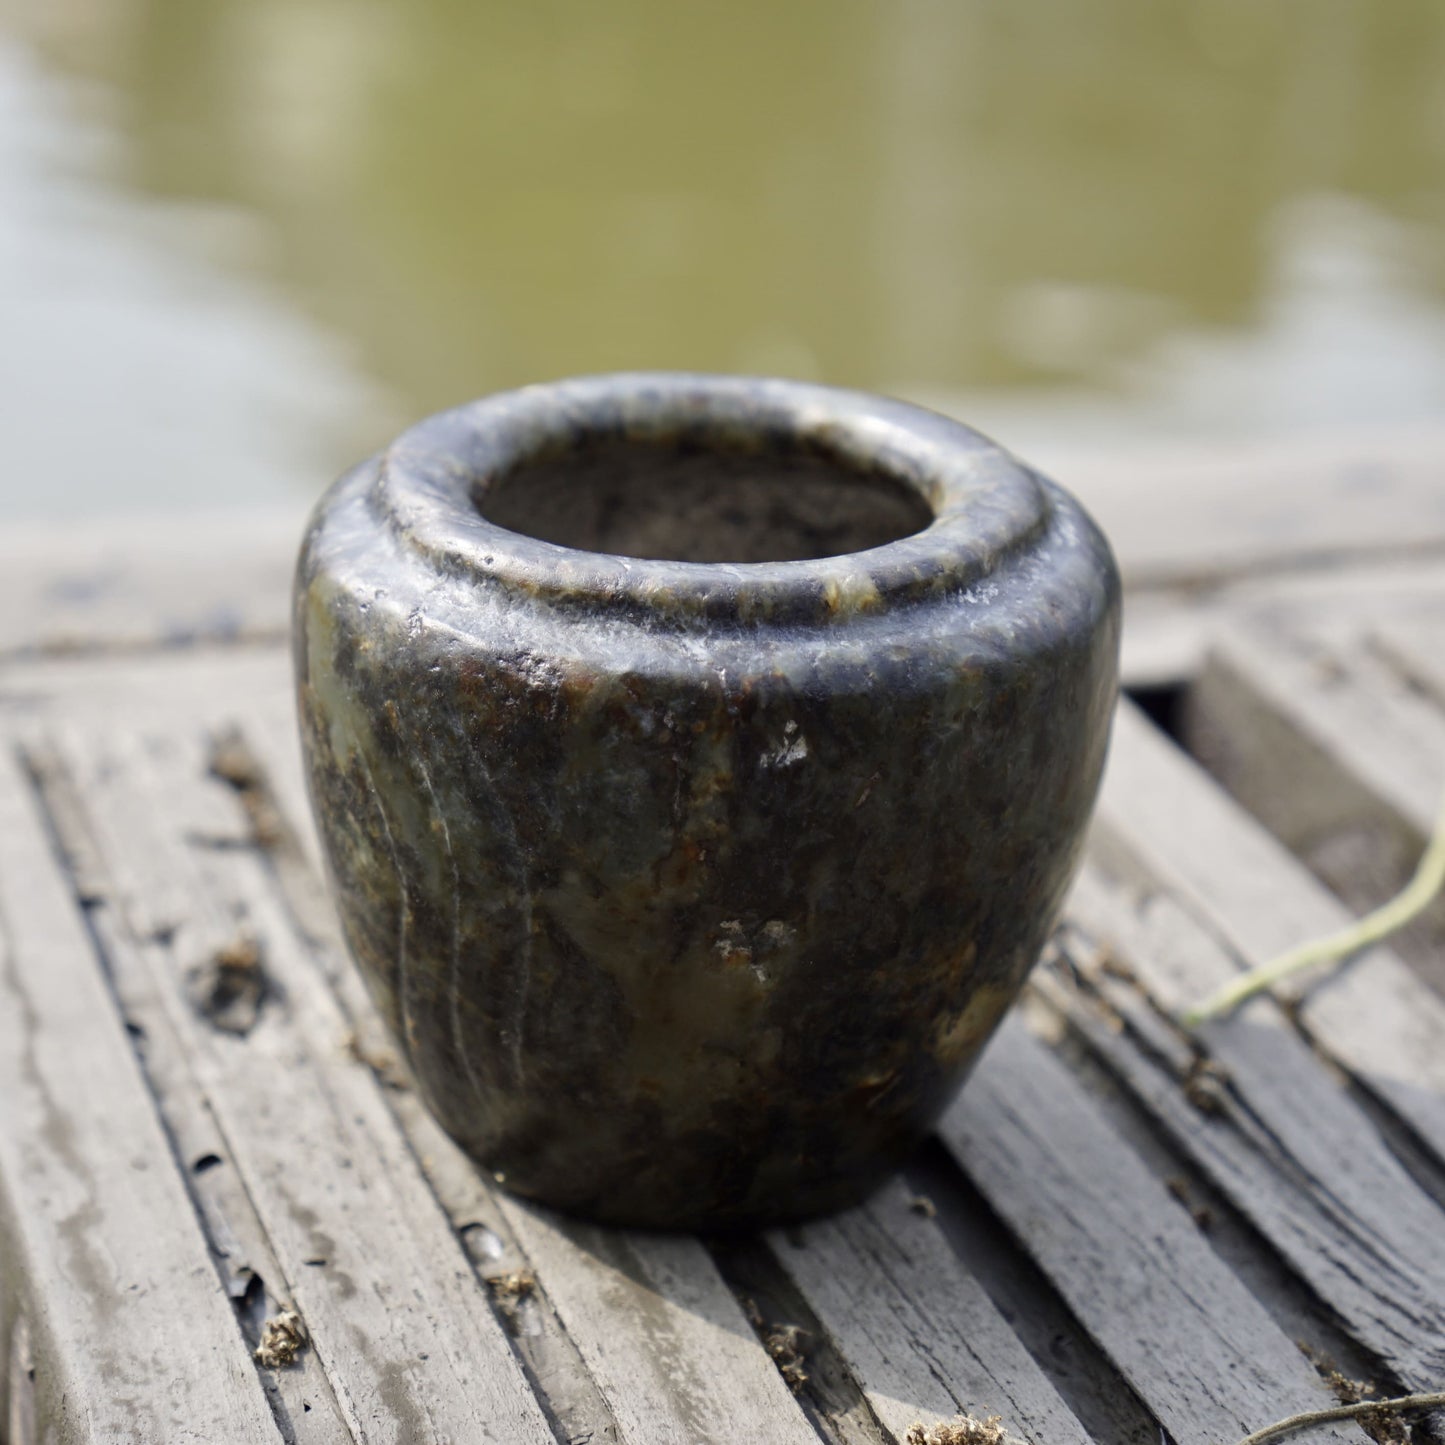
point(700, 763)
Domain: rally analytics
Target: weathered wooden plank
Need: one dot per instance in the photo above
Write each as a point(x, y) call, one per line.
point(147, 581)
point(1278, 1135)
point(919, 1333)
point(666, 1341)
point(130, 1332)
point(1169, 629)
point(408, 1338)
point(552, 1357)
point(202, 683)
point(649, 1321)
point(270, 727)
point(1222, 510)
point(300, 1395)
point(1191, 1340)
point(650, 1370)
point(1312, 732)
point(1376, 1018)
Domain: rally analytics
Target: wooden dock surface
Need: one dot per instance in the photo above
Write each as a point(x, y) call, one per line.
point(1123, 1232)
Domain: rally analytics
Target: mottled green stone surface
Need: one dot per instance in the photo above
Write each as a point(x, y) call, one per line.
point(692, 888)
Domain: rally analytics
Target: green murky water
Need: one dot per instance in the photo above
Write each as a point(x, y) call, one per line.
point(241, 241)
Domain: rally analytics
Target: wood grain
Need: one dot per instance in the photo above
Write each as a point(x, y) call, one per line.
point(1190, 1339)
point(129, 1330)
point(921, 1336)
point(406, 1333)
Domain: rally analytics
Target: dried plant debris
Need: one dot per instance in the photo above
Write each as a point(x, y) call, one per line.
point(1201, 1214)
point(382, 1062)
point(515, 1284)
point(230, 987)
point(785, 1344)
point(1206, 1085)
point(961, 1430)
point(283, 1337)
point(1384, 1427)
point(233, 762)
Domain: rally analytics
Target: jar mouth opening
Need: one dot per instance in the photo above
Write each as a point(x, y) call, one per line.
point(592, 492)
point(688, 492)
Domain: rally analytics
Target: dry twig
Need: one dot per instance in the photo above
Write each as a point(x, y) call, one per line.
point(1360, 1409)
point(1389, 918)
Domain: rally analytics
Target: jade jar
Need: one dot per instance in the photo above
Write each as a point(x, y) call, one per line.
point(700, 763)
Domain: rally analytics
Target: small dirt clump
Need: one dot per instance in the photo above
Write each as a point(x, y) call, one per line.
point(785, 1344)
point(229, 988)
point(283, 1337)
point(515, 1284)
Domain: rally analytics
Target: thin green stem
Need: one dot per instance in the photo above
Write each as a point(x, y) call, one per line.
point(1416, 896)
point(1400, 1405)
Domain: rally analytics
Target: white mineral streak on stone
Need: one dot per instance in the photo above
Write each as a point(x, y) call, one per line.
point(794, 748)
point(401, 999)
point(454, 990)
point(528, 912)
point(735, 947)
point(732, 939)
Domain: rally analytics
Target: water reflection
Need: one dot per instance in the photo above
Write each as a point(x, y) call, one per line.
point(1034, 211)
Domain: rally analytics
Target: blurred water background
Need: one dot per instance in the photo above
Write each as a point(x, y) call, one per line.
point(243, 241)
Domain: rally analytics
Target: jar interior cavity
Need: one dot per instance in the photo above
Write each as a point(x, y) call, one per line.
point(690, 502)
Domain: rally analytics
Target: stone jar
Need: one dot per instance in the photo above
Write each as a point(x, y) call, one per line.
point(700, 763)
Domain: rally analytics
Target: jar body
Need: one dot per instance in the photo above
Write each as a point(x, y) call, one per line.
point(691, 899)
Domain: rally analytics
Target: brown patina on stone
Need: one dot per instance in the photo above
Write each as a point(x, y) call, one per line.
point(700, 763)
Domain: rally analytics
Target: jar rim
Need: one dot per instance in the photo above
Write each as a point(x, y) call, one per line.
point(985, 504)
